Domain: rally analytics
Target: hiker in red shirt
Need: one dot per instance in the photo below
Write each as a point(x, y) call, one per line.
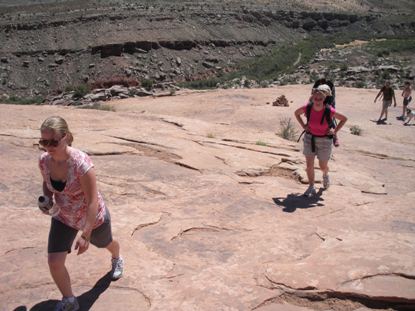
point(319, 131)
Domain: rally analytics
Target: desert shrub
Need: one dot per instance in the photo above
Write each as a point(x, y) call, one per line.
point(360, 84)
point(98, 106)
point(343, 67)
point(355, 130)
point(264, 84)
point(287, 129)
point(267, 67)
point(114, 80)
point(203, 84)
point(80, 90)
point(147, 84)
point(69, 88)
point(261, 143)
point(16, 100)
point(210, 135)
point(385, 47)
point(385, 75)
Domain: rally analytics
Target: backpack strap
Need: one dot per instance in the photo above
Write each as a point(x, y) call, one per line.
point(307, 114)
point(308, 111)
point(327, 116)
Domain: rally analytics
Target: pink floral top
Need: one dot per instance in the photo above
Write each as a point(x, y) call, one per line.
point(71, 199)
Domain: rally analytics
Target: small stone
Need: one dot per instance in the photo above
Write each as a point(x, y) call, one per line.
point(59, 60)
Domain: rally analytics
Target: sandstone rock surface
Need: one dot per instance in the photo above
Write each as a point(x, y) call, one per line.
point(197, 233)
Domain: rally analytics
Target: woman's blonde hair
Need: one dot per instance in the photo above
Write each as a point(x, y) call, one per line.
point(58, 125)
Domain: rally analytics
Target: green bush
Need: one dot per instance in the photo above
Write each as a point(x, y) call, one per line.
point(147, 84)
point(267, 67)
point(203, 84)
point(16, 100)
point(355, 130)
point(360, 84)
point(343, 67)
point(261, 143)
point(98, 106)
point(386, 47)
point(287, 129)
point(79, 90)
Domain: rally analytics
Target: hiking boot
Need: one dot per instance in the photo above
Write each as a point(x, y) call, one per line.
point(117, 268)
point(401, 118)
point(326, 181)
point(336, 141)
point(67, 304)
point(310, 192)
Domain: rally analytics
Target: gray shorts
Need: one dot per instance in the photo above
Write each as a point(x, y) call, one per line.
point(61, 236)
point(323, 146)
point(387, 103)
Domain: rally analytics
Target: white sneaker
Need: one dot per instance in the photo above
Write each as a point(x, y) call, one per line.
point(117, 268)
point(326, 181)
point(310, 192)
point(67, 304)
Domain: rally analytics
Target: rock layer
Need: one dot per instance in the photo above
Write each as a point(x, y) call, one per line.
point(196, 234)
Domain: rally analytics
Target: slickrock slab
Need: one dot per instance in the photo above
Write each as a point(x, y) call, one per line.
point(199, 234)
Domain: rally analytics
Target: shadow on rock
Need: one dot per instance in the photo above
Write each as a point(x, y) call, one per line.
point(86, 300)
point(295, 200)
point(381, 122)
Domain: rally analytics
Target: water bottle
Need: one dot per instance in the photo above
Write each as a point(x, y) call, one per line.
point(47, 205)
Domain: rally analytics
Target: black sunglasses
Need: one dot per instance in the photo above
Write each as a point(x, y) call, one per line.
point(49, 142)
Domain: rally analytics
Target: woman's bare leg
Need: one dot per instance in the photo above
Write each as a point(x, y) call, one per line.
point(310, 169)
point(59, 273)
point(114, 249)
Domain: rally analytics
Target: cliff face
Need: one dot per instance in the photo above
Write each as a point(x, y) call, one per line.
point(71, 43)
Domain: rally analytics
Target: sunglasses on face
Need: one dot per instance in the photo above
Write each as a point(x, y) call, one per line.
point(49, 142)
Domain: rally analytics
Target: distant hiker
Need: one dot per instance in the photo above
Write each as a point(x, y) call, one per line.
point(330, 100)
point(69, 180)
point(406, 94)
point(410, 114)
point(388, 94)
point(319, 131)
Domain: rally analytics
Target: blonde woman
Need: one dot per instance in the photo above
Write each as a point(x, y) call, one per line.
point(69, 180)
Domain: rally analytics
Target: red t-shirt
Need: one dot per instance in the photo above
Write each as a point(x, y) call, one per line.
point(314, 124)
